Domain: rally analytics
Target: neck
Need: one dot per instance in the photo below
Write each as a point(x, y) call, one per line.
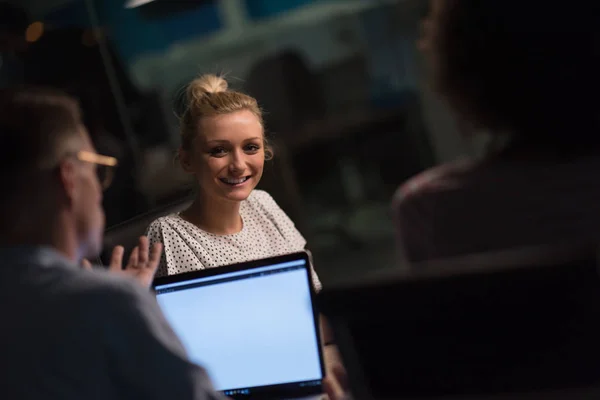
point(32, 231)
point(215, 215)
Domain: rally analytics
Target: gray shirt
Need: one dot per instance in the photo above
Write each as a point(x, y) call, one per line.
point(68, 333)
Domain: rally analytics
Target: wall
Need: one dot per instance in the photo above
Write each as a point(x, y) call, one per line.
point(163, 53)
point(39, 8)
point(312, 30)
point(132, 34)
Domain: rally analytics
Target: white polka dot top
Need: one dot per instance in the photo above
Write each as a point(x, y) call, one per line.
point(267, 232)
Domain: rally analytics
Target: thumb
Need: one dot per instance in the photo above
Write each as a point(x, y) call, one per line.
point(85, 264)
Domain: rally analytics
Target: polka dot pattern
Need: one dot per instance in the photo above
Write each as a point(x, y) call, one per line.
point(267, 232)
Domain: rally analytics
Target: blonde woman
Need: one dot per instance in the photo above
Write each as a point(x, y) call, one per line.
point(223, 145)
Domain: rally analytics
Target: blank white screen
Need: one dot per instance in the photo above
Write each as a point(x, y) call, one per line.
point(250, 332)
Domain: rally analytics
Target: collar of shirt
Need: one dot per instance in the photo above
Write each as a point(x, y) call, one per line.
point(43, 256)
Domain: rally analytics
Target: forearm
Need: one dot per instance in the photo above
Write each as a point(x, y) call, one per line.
point(326, 331)
point(332, 360)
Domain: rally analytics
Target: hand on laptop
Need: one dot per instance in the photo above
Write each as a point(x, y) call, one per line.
point(142, 263)
point(336, 380)
point(336, 384)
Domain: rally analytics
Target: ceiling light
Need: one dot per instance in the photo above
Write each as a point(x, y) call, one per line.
point(136, 3)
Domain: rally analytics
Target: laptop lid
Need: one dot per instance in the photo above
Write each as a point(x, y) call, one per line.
point(253, 326)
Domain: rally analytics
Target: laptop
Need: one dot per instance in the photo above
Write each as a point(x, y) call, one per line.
point(253, 326)
point(521, 324)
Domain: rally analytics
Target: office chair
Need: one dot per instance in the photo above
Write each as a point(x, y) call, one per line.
point(127, 233)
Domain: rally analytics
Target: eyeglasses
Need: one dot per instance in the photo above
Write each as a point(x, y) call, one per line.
point(105, 166)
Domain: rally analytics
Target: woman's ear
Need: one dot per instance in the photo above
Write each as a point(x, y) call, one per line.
point(185, 159)
point(269, 151)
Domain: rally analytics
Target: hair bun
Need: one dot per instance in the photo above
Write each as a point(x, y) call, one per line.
point(204, 85)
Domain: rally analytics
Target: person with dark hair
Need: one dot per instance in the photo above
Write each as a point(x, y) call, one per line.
point(72, 332)
point(526, 74)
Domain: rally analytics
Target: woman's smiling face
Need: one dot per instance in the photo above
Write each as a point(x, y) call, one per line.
point(228, 155)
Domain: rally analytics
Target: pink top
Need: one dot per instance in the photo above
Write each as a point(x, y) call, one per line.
point(471, 207)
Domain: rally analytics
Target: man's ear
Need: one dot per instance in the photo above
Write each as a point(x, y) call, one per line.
point(185, 159)
point(67, 176)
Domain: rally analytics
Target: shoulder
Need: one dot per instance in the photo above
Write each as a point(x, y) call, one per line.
point(420, 200)
point(166, 221)
point(101, 282)
point(434, 181)
point(100, 292)
point(262, 202)
point(261, 198)
point(164, 225)
point(121, 314)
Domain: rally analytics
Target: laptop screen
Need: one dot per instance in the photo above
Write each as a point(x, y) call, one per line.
point(252, 329)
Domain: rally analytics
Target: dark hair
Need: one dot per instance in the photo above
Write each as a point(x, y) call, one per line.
point(526, 68)
point(35, 127)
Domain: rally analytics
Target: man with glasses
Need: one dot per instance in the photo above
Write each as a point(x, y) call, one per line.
point(68, 332)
